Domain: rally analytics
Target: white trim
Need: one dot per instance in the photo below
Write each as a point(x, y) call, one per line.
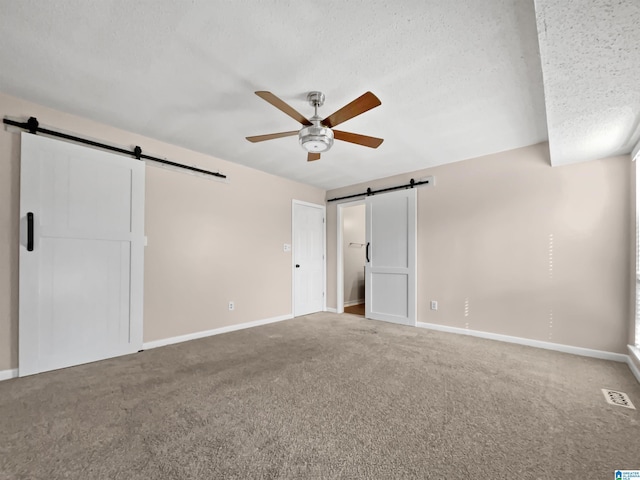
point(351, 303)
point(331, 310)
point(617, 357)
point(8, 374)
point(340, 254)
point(295, 202)
point(635, 154)
point(215, 331)
point(585, 352)
point(634, 353)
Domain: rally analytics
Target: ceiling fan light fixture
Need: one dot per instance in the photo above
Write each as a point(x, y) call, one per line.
point(316, 135)
point(316, 139)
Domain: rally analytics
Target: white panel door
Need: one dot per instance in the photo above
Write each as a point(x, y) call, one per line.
point(390, 269)
point(81, 255)
point(308, 258)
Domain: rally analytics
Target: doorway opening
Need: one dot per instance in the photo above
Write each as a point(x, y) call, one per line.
point(390, 252)
point(351, 258)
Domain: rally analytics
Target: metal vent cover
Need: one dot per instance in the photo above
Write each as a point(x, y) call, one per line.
point(617, 398)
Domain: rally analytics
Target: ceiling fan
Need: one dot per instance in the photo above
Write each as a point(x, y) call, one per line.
point(317, 134)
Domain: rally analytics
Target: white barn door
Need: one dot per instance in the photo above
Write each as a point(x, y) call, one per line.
point(308, 258)
point(81, 255)
point(390, 268)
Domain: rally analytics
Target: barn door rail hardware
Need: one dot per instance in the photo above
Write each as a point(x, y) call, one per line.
point(412, 183)
point(33, 126)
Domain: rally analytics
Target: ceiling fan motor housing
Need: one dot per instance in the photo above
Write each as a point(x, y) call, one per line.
point(316, 138)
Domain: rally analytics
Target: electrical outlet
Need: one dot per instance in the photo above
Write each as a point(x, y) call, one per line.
point(434, 305)
point(232, 306)
point(287, 247)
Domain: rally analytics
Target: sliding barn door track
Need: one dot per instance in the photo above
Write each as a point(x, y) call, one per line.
point(33, 126)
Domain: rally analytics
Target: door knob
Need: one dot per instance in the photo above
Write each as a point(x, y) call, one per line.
point(297, 265)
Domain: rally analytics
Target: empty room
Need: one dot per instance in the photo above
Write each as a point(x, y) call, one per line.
point(289, 240)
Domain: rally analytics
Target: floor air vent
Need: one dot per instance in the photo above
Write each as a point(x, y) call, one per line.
point(617, 398)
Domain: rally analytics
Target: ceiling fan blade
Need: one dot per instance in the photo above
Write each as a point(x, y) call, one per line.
point(360, 105)
point(284, 107)
point(313, 156)
point(358, 139)
point(271, 136)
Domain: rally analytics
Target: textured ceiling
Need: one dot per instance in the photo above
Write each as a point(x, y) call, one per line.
point(590, 55)
point(457, 79)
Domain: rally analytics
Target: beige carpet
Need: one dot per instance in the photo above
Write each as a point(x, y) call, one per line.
point(323, 396)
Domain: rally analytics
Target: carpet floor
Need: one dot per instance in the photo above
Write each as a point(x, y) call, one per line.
point(323, 396)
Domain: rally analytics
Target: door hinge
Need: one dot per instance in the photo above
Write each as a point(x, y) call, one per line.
point(322, 219)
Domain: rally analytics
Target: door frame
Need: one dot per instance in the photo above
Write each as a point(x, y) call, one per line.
point(295, 202)
point(340, 253)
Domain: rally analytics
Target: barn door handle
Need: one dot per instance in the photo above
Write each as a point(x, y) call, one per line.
point(368, 243)
point(30, 232)
point(297, 265)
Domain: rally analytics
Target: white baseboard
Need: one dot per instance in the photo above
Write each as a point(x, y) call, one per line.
point(585, 352)
point(332, 310)
point(8, 374)
point(351, 303)
point(215, 331)
point(634, 353)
